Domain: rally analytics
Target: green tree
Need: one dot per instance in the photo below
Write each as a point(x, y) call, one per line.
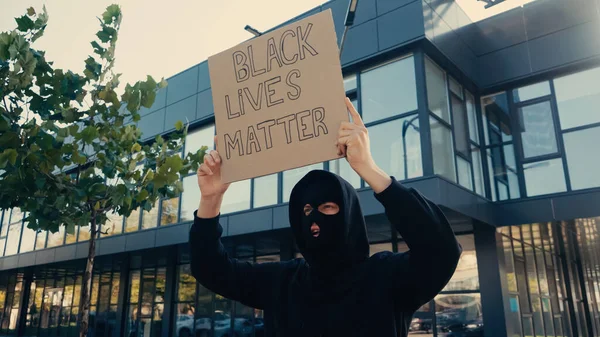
point(70, 149)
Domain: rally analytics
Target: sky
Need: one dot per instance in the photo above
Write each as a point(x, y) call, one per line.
point(164, 37)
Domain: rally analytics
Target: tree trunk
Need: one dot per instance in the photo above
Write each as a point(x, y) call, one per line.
point(84, 305)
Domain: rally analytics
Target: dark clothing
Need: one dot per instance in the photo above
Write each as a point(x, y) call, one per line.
point(356, 296)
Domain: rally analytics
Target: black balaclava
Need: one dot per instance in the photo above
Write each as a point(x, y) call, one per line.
point(342, 241)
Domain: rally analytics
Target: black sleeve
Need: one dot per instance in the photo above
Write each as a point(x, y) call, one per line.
point(245, 282)
point(421, 273)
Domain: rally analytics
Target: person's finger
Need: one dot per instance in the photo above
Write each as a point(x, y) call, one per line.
point(215, 156)
point(343, 140)
point(355, 116)
point(344, 133)
point(348, 126)
point(208, 160)
point(205, 170)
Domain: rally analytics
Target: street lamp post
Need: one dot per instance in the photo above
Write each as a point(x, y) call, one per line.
point(349, 22)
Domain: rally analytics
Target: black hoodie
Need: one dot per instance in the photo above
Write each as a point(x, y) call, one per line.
point(349, 295)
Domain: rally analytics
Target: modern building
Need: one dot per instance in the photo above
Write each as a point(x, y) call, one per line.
point(495, 120)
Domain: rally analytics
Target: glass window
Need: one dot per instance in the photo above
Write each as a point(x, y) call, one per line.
point(461, 126)
point(291, 177)
point(388, 90)
point(12, 241)
point(537, 130)
point(464, 173)
point(583, 157)
point(5, 218)
point(437, 94)
point(169, 211)
point(2, 245)
point(466, 276)
point(150, 218)
point(342, 168)
point(204, 136)
point(350, 82)
point(237, 197)
point(380, 247)
point(190, 198)
point(478, 171)
point(455, 87)
point(27, 239)
point(132, 223)
point(399, 156)
point(531, 91)
point(496, 119)
point(113, 224)
point(578, 98)
point(40, 240)
point(265, 190)
point(472, 117)
point(57, 238)
point(544, 177)
point(443, 154)
point(453, 311)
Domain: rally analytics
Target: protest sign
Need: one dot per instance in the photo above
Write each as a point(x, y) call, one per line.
point(278, 99)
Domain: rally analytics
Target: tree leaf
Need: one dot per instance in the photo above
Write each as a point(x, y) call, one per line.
point(179, 125)
point(162, 84)
point(113, 11)
point(24, 23)
point(136, 148)
point(89, 134)
point(31, 11)
point(142, 196)
point(6, 41)
point(8, 156)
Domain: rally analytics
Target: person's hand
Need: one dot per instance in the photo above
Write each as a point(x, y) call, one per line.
point(353, 143)
point(209, 175)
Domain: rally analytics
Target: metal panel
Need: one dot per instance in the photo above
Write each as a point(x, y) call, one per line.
point(172, 235)
point(152, 124)
point(204, 107)
point(159, 102)
point(524, 211)
point(182, 85)
point(447, 11)
point(504, 30)
point(545, 17)
point(11, 262)
point(81, 250)
point(366, 10)
point(44, 256)
point(111, 245)
point(281, 217)
point(579, 205)
point(566, 46)
point(140, 240)
point(384, 6)
point(402, 25)
point(249, 222)
point(338, 11)
point(361, 42)
point(184, 111)
point(429, 17)
point(203, 76)
point(65, 253)
point(27, 259)
point(505, 64)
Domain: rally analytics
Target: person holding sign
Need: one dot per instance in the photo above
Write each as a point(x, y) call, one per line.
point(337, 289)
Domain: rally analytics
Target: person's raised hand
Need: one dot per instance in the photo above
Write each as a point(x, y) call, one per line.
point(353, 141)
point(209, 176)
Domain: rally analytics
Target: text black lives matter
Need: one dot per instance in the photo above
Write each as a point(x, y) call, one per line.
point(298, 126)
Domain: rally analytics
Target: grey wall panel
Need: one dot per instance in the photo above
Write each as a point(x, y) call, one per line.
point(203, 76)
point(11, 262)
point(361, 42)
point(159, 102)
point(224, 221)
point(545, 17)
point(81, 250)
point(204, 106)
point(504, 30)
point(26, 260)
point(172, 235)
point(65, 253)
point(566, 46)
point(458, 199)
point(280, 217)
point(152, 124)
point(184, 110)
point(524, 211)
point(140, 240)
point(1, 264)
point(253, 221)
point(447, 11)
point(402, 25)
point(112, 245)
point(44, 256)
point(428, 20)
point(367, 10)
point(580, 205)
point(183, 85)
point(384, 6)
point(338, 11)
point(505, 64)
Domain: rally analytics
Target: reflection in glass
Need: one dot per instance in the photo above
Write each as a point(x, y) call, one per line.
point(265, 190)
point(350, 83)
point(12, 241)
point(443, 153)
point(380, 247)
point(113, 224)
point(190, 198)
point(57, 238)
point(399, 156)
point(478, 171)
point(464, 172)
point(237, 197)
point(459, 314)
point(531, 91)
point(388, 90)
point(27, 239)
point(544, 177)
point(472, 117)
point(344, 170)
point(132, 222)
point(291, 177)
point(437, 94)
point(582, 157)
point(578, 98)
point(537, 130)
point(203, 136)
point(150, 218)
point(496, 119)
point(461, 126)
point(466, 275)
point(169, 210)
point(455, 87)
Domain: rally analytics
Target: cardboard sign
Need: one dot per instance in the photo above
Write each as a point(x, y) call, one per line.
point(279, 99)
